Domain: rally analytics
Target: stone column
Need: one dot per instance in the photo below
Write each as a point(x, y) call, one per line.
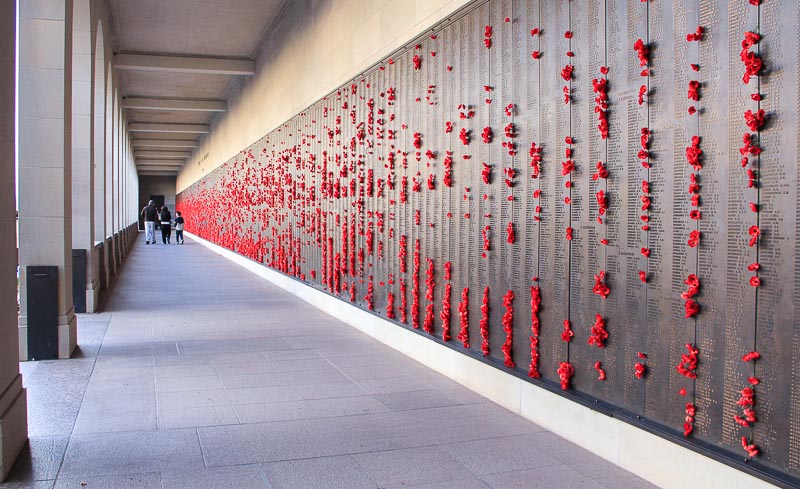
point(45, 158)
point(82, 174)
point(13, 407)
point(111, 159)
point(99, 157)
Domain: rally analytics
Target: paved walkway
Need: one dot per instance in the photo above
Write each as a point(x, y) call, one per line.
point(201, 375)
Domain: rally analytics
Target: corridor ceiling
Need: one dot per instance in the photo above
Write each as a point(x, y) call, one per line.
point(176, 60)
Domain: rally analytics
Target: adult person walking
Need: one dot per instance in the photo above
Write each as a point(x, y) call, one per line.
point(150, 214)
point(166, 225)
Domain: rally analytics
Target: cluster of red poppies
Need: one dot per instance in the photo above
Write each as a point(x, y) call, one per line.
point(508, 328)
point(565, 373)
point(463, 316)
point(536, 303)
point(598, 334)
point(415, 288)
point(430, 284)
point(444, 315)
point(484, 322)
point(689, 361)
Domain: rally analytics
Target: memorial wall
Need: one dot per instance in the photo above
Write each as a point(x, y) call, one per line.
point(599, 196)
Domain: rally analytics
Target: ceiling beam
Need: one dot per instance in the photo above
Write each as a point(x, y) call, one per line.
point(157, 162)
point(157, 168)
point(184, 64)
point(158, 173)
point(161, 127)
point(164, 143)
point(167, 155)
point(141, 103)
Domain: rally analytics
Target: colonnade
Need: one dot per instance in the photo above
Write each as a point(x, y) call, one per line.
point(75, 183)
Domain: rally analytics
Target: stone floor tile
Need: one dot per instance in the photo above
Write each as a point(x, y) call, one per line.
point(394, 385)
point(617, 478)
point(193, 417)
point(28, 484)
point(331, 389)
point(114, 413)
point(429, 398)
point(299, 365)
point(274, 411)
point(180, 384)
point(290, 440)
point(259, 395)
point(291, 355)
point(222, 359)
point(267, 379)
point(232, 345)
point(237, 477)
point(370, 360)
point(549, 477)
point(190, 399)
point(307, 409)
point(131, 452)
point(178, 371)
point(329, 472)
point(245, 368)
point(506, 454)
point(39, 460)
point(410, 466)
point(468, 483)
point(315, 377)
point(125, 481)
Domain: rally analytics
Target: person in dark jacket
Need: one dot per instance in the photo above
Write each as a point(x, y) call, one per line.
point(166, 223)
point(150, 215)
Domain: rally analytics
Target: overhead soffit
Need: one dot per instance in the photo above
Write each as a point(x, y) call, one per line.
point(167, 116)
point(179, 85)
point(228, 28)
point(206, 28)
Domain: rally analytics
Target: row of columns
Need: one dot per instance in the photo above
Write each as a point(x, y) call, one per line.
point(75, 183)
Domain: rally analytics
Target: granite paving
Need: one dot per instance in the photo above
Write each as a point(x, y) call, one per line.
point(199, 374)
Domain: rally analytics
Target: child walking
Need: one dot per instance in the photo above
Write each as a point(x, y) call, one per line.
point(178, 228)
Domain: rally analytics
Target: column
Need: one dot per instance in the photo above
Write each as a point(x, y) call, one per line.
point(45, 164)
point(99, 155)
point(13, 407)
point(111, 259)
point(82, 174)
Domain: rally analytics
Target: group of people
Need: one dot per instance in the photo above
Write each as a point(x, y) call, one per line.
point(163, 217)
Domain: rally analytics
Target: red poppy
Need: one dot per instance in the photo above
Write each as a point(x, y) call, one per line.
point(601, 373)
point(567, 334)
point(753, 355)
point(565, 373)
point(639, 370)
point(598, 334)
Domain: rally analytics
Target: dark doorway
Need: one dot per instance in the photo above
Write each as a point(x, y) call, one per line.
point(159, 200)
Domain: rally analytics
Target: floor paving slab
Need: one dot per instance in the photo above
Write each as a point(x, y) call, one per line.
point(220, 380)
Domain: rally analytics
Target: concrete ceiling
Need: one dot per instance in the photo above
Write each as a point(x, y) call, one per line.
point(192, 50)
